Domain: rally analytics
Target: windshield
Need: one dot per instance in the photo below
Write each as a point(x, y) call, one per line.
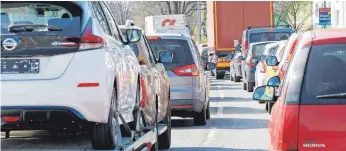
point(257, 50)
point(268, 36)
point(325, 74)
point(65, 16)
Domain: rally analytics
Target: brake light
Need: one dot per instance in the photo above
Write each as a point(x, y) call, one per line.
point(246, 46)
point(293, 46)
point(90, 41)
point(153, 37)
point(249, 63)
point(189, 70)
point(10, 119)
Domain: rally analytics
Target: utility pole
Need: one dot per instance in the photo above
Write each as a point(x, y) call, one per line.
point(324, 6)
point(198, 22)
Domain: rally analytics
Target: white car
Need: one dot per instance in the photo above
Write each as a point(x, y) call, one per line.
point(71, 68)
point(260, 74)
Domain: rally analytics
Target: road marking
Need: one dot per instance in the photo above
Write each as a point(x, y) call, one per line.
point(211, 134)
point(219, 110)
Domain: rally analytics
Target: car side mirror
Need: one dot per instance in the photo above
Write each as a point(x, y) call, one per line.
point(240, 58)
point(210, 66)
point(272, 61)
point(264, 93)
point(165, 56)
point(274, 81)
point(133, 35)
point(254, 60)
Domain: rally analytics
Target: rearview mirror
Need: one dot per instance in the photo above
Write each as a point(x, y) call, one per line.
point(274, 81)
point(272, 61)
point(254, 60)
point(165, 56)
point(210, 66)
point(133, 35)
point(264, 93)
point(238, 48)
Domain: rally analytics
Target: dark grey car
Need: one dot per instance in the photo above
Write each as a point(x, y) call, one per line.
point(249, 64)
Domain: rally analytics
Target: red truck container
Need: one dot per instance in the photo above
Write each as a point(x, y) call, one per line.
point(226, 21)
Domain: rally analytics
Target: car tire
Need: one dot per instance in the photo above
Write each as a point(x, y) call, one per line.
point(212, 73)
point(218, 76)
point(250, 87)
point(237, 79)
point(165, 139)
point(208, 112)
point(200, 118)
point(244, 86)
point(104, 136)
point(270, 106)
point(266, 104)
point(231, 77)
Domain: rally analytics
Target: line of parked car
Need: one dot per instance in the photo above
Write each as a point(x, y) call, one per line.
point(70, 66)
point(301, 80)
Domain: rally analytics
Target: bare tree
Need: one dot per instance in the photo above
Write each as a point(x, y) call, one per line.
point(151, 8)
point(122, 10)
point(294, 13)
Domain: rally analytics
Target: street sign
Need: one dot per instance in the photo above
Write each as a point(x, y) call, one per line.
point(325, 16)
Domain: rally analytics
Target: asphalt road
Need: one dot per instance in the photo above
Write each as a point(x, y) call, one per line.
point(237, 124)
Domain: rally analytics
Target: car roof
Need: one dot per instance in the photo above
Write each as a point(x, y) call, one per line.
point(258, 30)
point(326, 36)
point(129, 27)
point(170, 36)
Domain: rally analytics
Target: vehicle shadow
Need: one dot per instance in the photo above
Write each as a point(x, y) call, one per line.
point(210, 149)
point(222, 123)
point(238, 110)
point(230, 99)
point(45, 141)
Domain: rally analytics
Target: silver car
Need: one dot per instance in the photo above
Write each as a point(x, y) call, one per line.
point(249, 64)
point(187, 75)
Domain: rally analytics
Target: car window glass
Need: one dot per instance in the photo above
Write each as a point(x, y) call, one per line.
point(268, 36)
point(143, 57)
point(150, 51)
point(65, 16)
point(182, 54)
point(199, 60)
point(257, 50)
point(101, 17)
point(111, 22)
point(325, 74)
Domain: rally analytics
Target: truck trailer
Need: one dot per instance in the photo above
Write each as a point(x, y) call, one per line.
point(226, 21)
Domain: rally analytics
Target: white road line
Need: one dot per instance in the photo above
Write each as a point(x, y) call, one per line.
point(211, 134)
point(219, 110)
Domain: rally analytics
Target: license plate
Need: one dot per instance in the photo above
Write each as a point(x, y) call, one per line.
point(20, 66)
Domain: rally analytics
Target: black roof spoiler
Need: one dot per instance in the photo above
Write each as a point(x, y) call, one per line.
point(282, 26)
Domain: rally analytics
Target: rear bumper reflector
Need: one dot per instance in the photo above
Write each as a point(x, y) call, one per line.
point(88, 84)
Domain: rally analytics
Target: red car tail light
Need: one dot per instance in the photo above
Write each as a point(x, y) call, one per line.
point(10, 119)
point(90, 41)
point(188, 70)
point(249, 63)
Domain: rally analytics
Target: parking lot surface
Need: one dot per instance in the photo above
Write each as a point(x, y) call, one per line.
point(237, 124)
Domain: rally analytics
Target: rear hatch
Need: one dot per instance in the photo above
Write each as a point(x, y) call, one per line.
point(322, 115)
point(182, 68)
point(38, 39)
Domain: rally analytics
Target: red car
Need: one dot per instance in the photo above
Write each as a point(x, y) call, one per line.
point(310, 112)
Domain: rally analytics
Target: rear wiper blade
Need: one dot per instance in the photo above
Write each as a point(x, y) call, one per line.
point(31, 27)
point(339, 95)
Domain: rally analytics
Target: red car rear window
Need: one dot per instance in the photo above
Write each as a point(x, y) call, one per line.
point(325, 74)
